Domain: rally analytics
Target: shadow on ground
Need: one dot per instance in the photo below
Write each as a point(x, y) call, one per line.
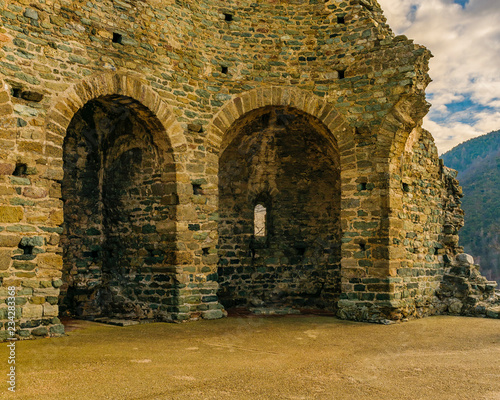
point(299, 357)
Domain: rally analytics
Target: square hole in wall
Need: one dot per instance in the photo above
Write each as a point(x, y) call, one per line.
point(341, 73)
point(197, 189)
point(117, 38)
point(27, 250)
point(340, 19)
point(16, 92)
point(228, 17)
point(20, 169)
point(224, 70)
point(301, 251)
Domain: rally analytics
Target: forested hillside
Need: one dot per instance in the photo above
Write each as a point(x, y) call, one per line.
point(478, 164)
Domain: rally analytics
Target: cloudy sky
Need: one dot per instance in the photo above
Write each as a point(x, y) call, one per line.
point(464, 37)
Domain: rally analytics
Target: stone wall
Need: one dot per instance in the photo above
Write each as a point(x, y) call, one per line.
point(125, 218)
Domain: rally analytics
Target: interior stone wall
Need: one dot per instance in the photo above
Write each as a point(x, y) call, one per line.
point(280, 160)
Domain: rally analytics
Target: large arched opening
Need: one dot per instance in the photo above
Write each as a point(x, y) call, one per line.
point(119, 195)
point(279, 205)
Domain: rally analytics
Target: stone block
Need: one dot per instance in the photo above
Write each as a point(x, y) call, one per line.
point(465, 258)
point(50, 261)
point(11, 214)
point(35, 192)
point(5, 259)
point(32, 311)
point(455, 307)
point(57, 329)
point(56, 217)
point(32, 241)
point(30, 13)
point(50, 310)
point(40, 331)
point(7, 169)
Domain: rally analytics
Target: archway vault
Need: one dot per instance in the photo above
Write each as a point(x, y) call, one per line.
point(219, 134)
point(60, 115)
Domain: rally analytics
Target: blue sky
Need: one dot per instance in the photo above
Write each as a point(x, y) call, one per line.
point(463, 3)
point(464, 37)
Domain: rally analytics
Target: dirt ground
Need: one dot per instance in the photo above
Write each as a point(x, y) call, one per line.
point(299, 357)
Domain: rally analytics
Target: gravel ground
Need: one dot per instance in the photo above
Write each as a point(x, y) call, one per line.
point(294, 357)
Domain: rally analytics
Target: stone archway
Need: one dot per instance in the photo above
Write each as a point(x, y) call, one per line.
point(306, 270)
point(119, 147)
point(117, 195)
point(279, 207)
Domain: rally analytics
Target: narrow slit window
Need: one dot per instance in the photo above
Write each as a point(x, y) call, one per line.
point(260, 221)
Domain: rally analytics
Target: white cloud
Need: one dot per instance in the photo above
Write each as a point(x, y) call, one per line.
point(465, 43)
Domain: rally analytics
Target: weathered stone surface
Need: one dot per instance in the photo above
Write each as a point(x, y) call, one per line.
point(32, 311)
point(11, 214)
point(465, 258)
point(5, 259)
point(34, 192)
point(9, 240)
point(133, 162)
point(6, 169)
point(32, 241)
point(50, 310)
point(40, 331)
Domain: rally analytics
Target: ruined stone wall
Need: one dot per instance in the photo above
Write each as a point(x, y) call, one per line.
point(199, 68)
point(422, 193)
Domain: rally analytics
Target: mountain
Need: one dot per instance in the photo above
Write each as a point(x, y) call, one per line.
point(478, 164)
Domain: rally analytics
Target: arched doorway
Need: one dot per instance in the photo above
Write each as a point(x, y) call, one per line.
point(119, 194)
point(279, 204)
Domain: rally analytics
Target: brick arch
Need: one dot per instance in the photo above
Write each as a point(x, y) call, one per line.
point(61, 113)
point(219, 133)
